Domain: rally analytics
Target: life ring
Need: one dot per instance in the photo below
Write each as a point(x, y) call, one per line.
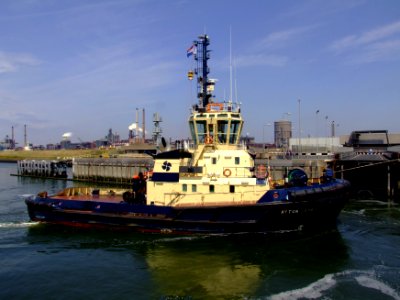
point(209, 139)
point(227, 172)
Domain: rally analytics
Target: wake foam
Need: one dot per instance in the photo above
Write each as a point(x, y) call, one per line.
point(312, 291)
point(316, 289)
point(18, 224)
point(26, 196)
point(372, 283)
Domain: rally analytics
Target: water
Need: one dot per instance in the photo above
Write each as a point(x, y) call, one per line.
point(359, 260)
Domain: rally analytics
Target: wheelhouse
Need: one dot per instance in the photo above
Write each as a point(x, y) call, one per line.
point(219, 123)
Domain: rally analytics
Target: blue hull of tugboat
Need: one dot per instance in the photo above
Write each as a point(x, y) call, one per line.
point(309, 207)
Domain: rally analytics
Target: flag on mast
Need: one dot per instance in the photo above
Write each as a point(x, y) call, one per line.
point(191, 51)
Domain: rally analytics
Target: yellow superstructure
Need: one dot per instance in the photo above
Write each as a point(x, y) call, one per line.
point(217, 170)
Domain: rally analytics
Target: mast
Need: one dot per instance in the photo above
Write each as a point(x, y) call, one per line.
point(202, 69)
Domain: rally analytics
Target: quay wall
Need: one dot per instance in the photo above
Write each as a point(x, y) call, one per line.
point(372, 175)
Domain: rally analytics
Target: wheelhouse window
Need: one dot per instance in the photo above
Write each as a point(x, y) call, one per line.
point(234, 131)
point(194, 188)
point(192, 131)
point(210, 132)
point(231, 189)
point(222, 128)
point(201, 131)
point(184, 187)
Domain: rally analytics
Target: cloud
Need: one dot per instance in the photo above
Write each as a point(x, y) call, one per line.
point(282, 38)
point(263, 51)
point(320, 8)
point(380, 33)
point(378, 44)
point(387, 50)
point(260, 60)
point(12, 62)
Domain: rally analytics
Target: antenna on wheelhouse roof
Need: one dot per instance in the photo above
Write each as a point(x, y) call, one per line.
point(236, 91)
point(230, 65)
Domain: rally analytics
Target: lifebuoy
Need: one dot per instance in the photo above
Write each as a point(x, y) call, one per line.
point(227, 172)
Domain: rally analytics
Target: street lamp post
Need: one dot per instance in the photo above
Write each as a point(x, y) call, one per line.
point(316, 129)
point(299, 101)
point(268, 124)
point(326, 126)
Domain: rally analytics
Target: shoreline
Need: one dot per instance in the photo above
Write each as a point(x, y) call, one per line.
point(14, 156)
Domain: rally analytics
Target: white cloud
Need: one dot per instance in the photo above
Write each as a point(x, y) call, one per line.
point(262, 51)
point(387, 50)
point(12, 62)
point(282, 38)
point(381, 43)
point(320, 8)
point(380, 33)
point(260, 60)
point(344, 43)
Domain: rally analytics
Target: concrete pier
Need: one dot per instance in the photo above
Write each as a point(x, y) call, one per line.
point(373, 174)
point(42, 168)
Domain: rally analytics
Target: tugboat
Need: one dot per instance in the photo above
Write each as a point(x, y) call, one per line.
point(211, 187)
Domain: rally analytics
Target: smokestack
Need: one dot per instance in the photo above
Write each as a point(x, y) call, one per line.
point(25, 139)
point(137, 124)
point(144, 127)
point(12, 138)
point(130, 136)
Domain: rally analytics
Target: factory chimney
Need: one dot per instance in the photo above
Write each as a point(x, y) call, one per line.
point(137, 125)
point(144, 128)
point(12, 138)
point(25, 138)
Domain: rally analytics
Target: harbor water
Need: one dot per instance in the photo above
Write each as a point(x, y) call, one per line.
point(360, 259)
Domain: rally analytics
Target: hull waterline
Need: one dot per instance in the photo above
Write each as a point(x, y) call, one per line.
point(305, 211)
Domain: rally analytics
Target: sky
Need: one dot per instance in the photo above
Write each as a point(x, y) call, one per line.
point(85, 66)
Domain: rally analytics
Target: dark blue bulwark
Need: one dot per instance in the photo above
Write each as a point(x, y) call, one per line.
point(274, 195)
point(165, 177)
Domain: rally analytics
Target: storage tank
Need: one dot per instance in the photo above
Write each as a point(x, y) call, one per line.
point(283, 132)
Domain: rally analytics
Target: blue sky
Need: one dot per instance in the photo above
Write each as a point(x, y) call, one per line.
point(86, 66)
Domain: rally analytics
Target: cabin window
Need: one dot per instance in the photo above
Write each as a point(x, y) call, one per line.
point(231, 189)
point(234, 131)
point(201, 130)
point(194, 188)
point(184, 187)
point(211, 131)
point(237, 160)
point(212, 188)
point(222, 131)
point(192, 132)
point(214, 160)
